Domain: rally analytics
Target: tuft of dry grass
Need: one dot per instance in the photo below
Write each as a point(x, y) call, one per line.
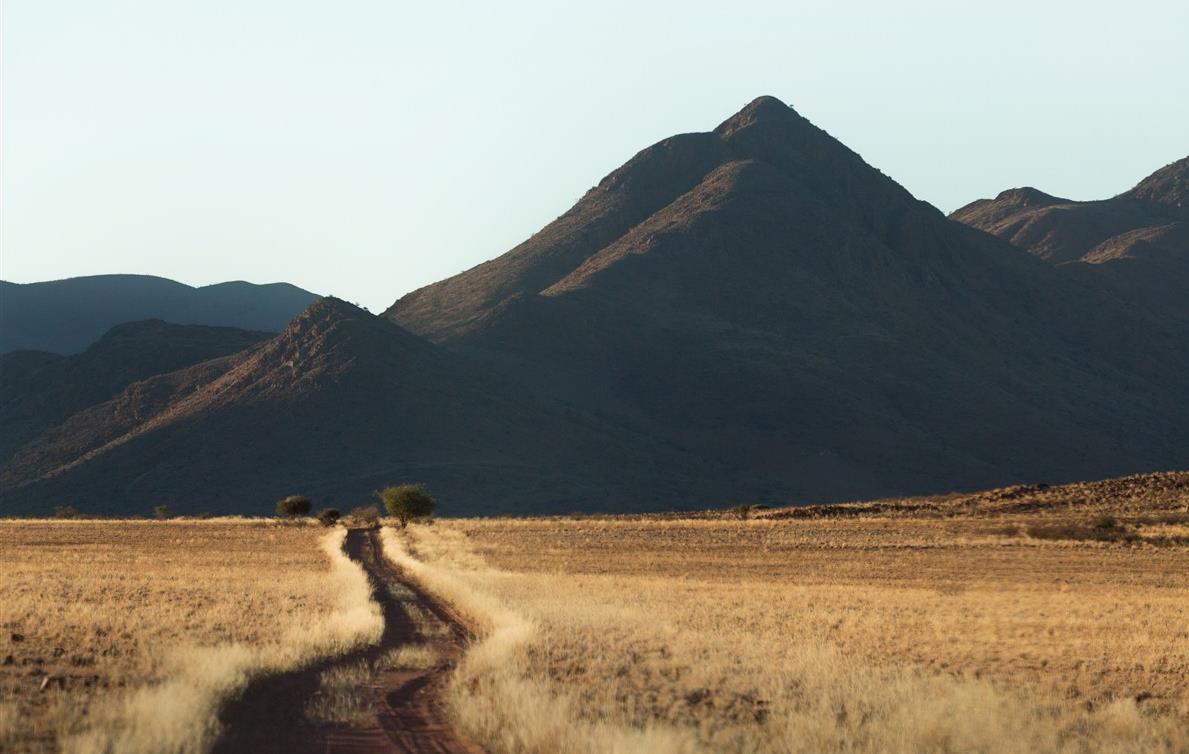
point(344, 695)
point(149, 625)
point(858, 634)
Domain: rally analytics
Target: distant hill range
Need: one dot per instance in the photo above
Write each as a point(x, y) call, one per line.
point(751, 314)
point(1136, 244)
point(66, 316)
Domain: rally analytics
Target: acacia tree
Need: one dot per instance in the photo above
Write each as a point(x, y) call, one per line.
point(407, 502)
point(294, 506)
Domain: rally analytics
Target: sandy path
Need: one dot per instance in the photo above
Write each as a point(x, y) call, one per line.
point(411, 717)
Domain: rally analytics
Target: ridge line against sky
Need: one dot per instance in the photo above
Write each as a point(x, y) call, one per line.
point(369, 149)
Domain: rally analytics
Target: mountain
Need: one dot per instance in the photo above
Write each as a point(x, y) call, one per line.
point(66, 316)
point(39, 390)
point(751, 314)
point(761, 296)
point(1135, 244)
point(336, 406)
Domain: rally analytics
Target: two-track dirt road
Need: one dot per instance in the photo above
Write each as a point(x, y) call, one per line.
point(410, 716)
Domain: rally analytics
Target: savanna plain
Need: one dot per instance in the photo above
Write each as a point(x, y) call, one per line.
point(1022, 619)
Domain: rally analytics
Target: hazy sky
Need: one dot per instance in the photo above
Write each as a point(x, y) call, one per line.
point(365, 148)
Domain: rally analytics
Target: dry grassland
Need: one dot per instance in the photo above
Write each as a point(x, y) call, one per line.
point(1019, 620)
point(124, 636)
point(891, 631)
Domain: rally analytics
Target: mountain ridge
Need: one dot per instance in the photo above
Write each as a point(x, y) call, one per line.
point(65, 316)
point(1134, 244)
point(339, 404)
point(750, 314)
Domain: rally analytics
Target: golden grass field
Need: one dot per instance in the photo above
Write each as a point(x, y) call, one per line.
point(138, 629)
point(1019, 620)
point(939, 627)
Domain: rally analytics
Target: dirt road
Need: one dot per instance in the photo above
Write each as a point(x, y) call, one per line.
point(410, 717)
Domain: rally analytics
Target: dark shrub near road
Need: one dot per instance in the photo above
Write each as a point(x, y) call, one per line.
point(294, 506)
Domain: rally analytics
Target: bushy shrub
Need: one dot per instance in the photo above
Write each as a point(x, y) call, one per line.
point(294, 506)
point(328, 516)
point(365, 517)
point(66, 511)
point(407, 502)
point(161, 512)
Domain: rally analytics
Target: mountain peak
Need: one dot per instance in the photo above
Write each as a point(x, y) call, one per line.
point(765, 105)
point(329, 308)
point(1027, 196)
point(332, 335)
point(760, 110)
point(332, 322)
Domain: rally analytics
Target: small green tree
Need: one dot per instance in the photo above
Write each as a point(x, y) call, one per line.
point(294, 506)
point(161, 512)
point(328, 516)
point(407, 502)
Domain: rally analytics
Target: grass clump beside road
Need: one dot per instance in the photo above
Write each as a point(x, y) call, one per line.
point(344, 695)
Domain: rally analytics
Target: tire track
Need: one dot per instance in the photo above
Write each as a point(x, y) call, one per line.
point(411, 716)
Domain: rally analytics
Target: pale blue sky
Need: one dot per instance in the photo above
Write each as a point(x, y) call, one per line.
point(365, 148)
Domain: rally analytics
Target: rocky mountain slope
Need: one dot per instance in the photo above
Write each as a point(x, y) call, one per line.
point(339, 404)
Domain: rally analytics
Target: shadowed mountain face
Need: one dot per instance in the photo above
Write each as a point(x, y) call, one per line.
point(748, 315)
point(1135, 244)
point(336, 406)
point(767, 133)
point(66, 316)
point(761, 296)
point(39, 390)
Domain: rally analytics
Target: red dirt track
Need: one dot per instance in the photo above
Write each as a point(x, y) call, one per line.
point(411, 716)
